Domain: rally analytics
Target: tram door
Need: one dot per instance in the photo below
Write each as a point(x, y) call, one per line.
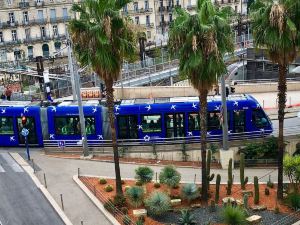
point(174, 124)
point(239, 118)
point(30, 125)
point(127, 127)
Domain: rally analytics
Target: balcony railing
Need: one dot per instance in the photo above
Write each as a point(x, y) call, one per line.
point(8, 24)
point(137, 11)
point(39, 4)
point(148, 25)
point(24, 5)
point(60, 19)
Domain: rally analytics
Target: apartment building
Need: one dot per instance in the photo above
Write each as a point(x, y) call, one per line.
point(30, 28)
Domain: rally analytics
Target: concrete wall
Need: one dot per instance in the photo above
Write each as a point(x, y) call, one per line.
point(174, 91)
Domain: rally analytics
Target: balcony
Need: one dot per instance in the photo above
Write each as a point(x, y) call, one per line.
point(60, 19)
point(13, 43)
point(138, 11)
point(148, 25)
point(24, 5)
point(8, 24)
point(39, 4)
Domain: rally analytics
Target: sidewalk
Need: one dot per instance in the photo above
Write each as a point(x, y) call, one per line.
point(59, 173)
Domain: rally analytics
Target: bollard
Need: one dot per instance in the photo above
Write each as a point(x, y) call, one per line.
point(78, 172)
point(45, 181)
point(62, 202)
point(290, 100)
point(195, 178)
point(81, 222)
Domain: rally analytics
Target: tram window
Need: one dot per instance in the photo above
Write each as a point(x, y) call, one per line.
point(30, 125)
point(194, 121)
point(213, 120)
point(67, 125)
point(259, 119)
point(90, 125)
point(6, 125)
point(151, 123)
point(127, 127)
point(122, 127)
point(239, 121)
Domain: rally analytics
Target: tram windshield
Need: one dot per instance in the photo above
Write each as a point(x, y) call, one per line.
point(259, 119)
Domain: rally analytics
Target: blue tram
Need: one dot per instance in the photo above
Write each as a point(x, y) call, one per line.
point(178, 117)
point(11, 123)
point(64, 124)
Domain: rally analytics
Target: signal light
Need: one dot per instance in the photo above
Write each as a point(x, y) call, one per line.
point(24, 120)
point(227, 91)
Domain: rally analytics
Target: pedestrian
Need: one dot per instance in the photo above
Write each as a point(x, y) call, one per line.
point(8, 93)
point(2, 96)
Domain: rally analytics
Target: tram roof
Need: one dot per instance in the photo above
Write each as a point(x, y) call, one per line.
point(5, 103)
point(216, 98)
point(84, 103)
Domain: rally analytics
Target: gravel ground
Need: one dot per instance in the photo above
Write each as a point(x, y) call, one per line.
point(203, 216)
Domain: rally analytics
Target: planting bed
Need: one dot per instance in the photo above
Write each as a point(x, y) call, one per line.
point(202, 214)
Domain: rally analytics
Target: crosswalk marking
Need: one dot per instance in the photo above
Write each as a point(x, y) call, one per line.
point(11, 162)
point(1, 171)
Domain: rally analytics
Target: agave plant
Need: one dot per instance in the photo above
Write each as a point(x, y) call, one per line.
point(135, 196)
point(233, 215)
point(186, 218)
point(158, 203)
point(189, 192)
point(170, 176)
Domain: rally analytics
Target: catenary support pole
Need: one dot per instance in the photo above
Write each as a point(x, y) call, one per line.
point(71, 69)
point(225, 119)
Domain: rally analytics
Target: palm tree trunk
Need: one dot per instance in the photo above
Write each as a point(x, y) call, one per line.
point(110, 105)
point(281, 107)
point(203, 124)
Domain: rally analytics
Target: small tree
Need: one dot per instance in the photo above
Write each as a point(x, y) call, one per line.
point(144, 174)
point(291, 168)
point(169, 176)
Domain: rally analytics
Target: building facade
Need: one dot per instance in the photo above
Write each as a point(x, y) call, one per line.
point(30, 28)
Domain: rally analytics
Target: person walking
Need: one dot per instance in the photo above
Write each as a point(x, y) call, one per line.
point(8, 93)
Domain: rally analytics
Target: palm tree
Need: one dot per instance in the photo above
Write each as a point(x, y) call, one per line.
point(102, 39)
point(275, 28)
point(201, 40)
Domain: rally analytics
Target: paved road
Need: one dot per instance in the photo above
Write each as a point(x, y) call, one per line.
point(291, 126)
point(21, 202)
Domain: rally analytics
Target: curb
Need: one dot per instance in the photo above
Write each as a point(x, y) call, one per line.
point(95, 200)
point(27, 168)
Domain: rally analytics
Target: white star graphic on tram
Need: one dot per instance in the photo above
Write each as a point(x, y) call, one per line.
point(217, 107)
point(117, 108)
point(140, 127)
point(236, 103)
point(26, 109)
point(51, 136)
point(230, 131)
point(194, 105)
point(12, 138)
point(146, 138)
point(190, 133)
point(100, 137)
point(3, 111)
point(94, 110)
point(208, 133)
point(53, 109)
point(148, 107)
point(173, 107)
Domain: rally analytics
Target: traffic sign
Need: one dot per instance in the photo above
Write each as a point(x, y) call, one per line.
point(25, 132)
point(61, 144)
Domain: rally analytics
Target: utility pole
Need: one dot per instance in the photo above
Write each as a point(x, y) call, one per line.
point(225, 119)
point(70, 64)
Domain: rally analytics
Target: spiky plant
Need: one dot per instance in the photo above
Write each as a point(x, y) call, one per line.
point(144, 174)
point(189, 192)
point(158, 203)
point(233, 215)
point(186, 218)
point(135, 196)
point(169, 176)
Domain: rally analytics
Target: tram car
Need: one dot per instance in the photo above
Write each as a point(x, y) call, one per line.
point(11, 113)
point(178, 118)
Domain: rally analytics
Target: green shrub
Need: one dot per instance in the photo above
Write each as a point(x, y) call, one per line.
point(267, 191)
point(119, 201)
point(102, 181)
point(276, 210)
point(291, 168)
point(189, 192)
point(138, 183)
point(158, 203)
point(108, 188)
point(169, 176)
point(156, 185)
point(126, 220)
point(233, 215)
point(135, 196)
point(139, 222)
point(186, 218)
point(294, 200)
point(144, 174)
point(126, 188)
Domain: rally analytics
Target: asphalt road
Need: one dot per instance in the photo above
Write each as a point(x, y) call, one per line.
point(21, 202)
point(291, 126)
